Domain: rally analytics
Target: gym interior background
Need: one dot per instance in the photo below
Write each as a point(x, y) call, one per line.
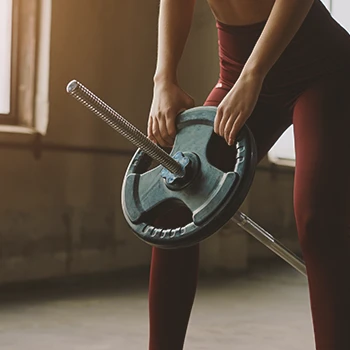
point(62, 168)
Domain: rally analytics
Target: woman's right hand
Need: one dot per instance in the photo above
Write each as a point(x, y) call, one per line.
point(169, 100)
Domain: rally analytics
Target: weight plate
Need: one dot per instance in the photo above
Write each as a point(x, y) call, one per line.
point(219, 184)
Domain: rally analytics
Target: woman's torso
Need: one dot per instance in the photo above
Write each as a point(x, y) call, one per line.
point(320, 47)
point(241, 12)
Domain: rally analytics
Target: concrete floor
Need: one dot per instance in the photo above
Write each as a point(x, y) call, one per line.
point(265, 309)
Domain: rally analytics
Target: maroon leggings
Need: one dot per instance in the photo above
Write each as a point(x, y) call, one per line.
point(308, 87)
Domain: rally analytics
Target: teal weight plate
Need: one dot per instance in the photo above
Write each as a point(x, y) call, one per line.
point(219, 184)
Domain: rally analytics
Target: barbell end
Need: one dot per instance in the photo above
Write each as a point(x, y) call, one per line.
point(72, 86)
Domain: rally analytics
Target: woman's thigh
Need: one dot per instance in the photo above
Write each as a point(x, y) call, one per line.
point(322, 143)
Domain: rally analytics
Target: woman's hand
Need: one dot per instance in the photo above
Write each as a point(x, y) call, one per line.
point(168, 101)
point(237, 106)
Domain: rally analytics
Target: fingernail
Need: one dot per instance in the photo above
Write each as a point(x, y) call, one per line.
point(231, 142)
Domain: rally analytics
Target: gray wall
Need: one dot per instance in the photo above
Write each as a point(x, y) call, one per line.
point(60, 214)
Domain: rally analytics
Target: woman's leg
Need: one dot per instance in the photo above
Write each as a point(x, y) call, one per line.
point(173, 277)
point(172, 288)
point(322, 180)
point(173, 283)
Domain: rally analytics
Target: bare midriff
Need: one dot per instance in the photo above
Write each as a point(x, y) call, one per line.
point(241, 12)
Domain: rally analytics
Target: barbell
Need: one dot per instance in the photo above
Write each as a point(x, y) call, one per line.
point(190, 180)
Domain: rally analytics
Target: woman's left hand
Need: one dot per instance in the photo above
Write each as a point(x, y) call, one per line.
point(237, 106)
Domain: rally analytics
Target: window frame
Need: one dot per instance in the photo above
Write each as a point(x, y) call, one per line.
point(25, 22)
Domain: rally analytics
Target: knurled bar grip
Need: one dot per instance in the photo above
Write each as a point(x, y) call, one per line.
point(125, 128)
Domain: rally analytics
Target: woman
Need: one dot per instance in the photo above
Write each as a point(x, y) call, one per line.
point(281, 62)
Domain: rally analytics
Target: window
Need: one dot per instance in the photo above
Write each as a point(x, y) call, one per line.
point(5, 55)
point(340, 11)
point(283, 151)
point(24, 54)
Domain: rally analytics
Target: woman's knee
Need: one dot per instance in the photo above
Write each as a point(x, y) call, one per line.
point(181, 261)
point(319, 231)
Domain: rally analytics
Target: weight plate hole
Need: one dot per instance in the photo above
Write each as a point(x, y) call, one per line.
point(169, 215)
point(218, 152)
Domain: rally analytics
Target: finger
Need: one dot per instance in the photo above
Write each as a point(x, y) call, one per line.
point(223, 123)
point(168, 140)
point(157, 134)
point(236, 128)
point(217, 120)
point(171, 128)
point(228, 127)
point(149, 127)
point(153, 139)
point(163, 131)
point(149, 130)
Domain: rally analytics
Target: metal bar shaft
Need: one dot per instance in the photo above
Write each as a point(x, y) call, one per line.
point(269, 241)
point(125, 128)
